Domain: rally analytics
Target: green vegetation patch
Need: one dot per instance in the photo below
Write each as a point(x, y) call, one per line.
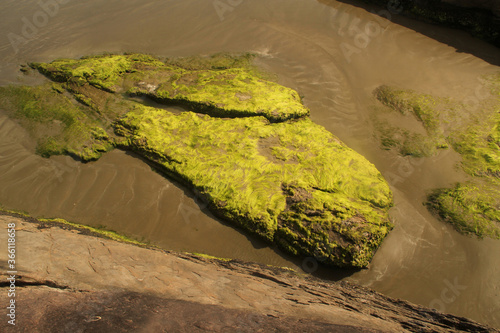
point(405, 141)
point(59, 125)
point(104, 72)
point(101, 232)
point(62, 222)
point(210, 257)
point(425, 109)
point(410, 102)
point(218, 86)
point(480, 147)
point(472, 207)
point(249, 171)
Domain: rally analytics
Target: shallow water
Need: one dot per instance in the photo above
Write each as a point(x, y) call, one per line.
point(309, 45)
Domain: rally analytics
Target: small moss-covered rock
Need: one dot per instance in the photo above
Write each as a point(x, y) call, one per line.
point(473, 208)
point(293, 182)
point(423, 106)
point(226, 92)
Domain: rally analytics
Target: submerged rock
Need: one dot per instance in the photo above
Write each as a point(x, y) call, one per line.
point(250, 150)
point(56, 121)
point(425, 110)
point(473, 207)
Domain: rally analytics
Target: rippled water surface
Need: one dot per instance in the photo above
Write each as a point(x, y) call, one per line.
point(309, 45)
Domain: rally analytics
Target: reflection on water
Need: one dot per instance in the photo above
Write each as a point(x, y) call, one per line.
point(315, 48)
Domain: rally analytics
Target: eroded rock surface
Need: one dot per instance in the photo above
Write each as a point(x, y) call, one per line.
point(72, 281)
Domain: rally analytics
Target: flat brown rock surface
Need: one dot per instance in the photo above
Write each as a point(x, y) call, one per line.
point(68, 281)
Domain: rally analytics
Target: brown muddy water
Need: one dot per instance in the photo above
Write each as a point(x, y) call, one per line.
point(308, 44)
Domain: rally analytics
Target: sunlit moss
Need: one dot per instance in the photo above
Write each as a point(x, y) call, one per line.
point(480, 147)
point(232, 163)
point(471, 207)
point(58, 221)
point(106, 233)
point(226, 86)
point(103, 72)
point(207, 256)
point(14, 212)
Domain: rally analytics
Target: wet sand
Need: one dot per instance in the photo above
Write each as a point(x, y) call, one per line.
point(304, 42)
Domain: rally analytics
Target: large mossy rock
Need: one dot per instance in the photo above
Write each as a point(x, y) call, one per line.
point(292, 182)
point(248, 149)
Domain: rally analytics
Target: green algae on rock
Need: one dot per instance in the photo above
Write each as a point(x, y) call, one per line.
point(226, 92)
point(425, 110)
point(250, 149)
point(472, 207)
point(60, 125)
point(293, 182)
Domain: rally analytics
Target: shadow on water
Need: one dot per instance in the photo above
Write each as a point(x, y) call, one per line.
point(175, 108)
point(460, 40)
point(334, 273)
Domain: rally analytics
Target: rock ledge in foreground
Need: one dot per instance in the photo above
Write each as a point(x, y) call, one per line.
point(71, 281)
